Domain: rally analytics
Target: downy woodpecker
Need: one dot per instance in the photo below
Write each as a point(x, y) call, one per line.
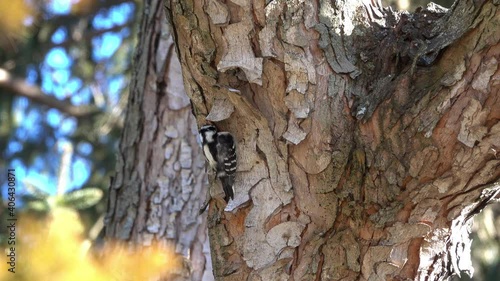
point(220, 151)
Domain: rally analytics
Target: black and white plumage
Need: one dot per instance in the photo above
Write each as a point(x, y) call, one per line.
point(220, 151)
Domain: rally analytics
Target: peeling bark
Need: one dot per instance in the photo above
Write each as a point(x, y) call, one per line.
point(367, 138)
point(160, 175)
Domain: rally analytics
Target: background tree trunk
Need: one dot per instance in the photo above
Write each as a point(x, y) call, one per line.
point(160, 180)
point(367, 138)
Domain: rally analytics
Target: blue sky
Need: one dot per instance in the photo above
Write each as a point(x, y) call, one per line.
point(57, 80)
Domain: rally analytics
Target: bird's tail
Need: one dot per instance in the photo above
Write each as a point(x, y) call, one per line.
point(227, 186)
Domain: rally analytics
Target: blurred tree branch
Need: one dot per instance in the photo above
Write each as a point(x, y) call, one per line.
point(20, 87)
point(81, 36)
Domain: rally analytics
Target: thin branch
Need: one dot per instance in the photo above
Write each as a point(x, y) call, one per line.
point(22, 88)
point(87, 36)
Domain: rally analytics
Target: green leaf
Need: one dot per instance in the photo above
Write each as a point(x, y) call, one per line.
point(81, 199)
point(38, 206)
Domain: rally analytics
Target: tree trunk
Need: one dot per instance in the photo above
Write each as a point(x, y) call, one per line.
point(160, 175)
point(366, 138)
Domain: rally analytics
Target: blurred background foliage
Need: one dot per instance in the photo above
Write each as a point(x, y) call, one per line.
point(64, 75)
point(64, 72)
point(54, 248)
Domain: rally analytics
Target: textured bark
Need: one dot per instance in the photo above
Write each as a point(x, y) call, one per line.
point(160, 175)
point(366, 138)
